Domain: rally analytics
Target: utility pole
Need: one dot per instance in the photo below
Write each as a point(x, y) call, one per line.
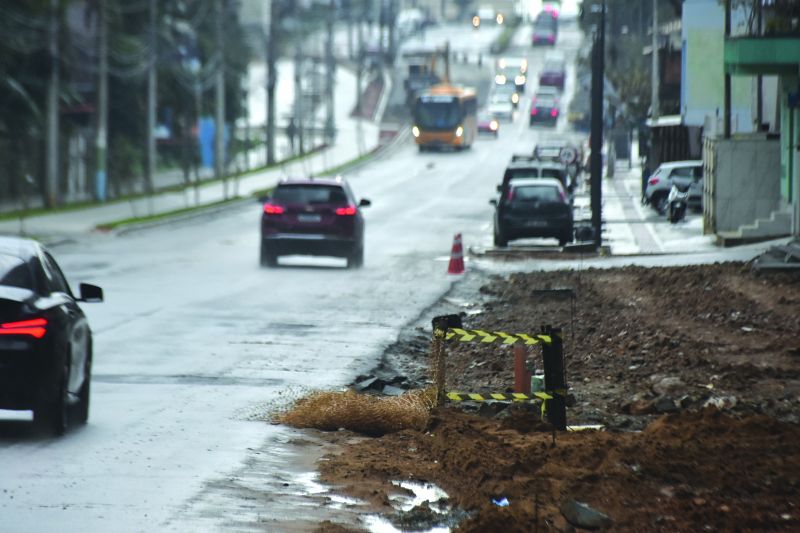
point(726, 128)
point(152, 103)
point(655, 80)
point(298, 99)
point(330, 77)
point(272, 75)
point(596, 162)
point(219, 93)
point(101, 142)
point(53, 88)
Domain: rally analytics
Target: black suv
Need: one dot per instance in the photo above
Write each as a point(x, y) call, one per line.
point(317, 216)
point(532, 207)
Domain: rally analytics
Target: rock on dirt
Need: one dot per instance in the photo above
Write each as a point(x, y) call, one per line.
point(581, 515)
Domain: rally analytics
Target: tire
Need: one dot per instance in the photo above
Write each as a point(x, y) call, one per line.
point(84, 395)
point(356, 259)
point(659, 203)
point(268, 259)
point(500, 240)
point(53, 416)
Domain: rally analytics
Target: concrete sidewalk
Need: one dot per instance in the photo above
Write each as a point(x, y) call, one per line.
point(355, 138)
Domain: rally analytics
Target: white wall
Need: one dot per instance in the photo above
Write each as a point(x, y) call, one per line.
point(703, 74)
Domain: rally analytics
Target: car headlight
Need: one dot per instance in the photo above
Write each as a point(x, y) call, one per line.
point(500, 18)
point(415, 131)
point(500, 79)
point(476, 21)
point(459, 131)
point(493, 125)
point(520, 80)
point(515, 98)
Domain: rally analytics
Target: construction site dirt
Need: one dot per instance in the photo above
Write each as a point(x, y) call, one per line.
point(693, 373)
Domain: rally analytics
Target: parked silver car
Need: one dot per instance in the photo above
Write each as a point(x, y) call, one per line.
point(684, 174)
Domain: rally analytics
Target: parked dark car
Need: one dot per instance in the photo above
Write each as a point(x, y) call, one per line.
point(45, 340)
point(533, 207)
point(312, 217)
point(544, 110)
point(553, 74)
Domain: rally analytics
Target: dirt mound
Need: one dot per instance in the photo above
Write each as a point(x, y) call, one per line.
point(647, 350)
point(683, 473)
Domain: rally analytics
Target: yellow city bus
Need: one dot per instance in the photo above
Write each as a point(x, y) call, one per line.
point(445, 116)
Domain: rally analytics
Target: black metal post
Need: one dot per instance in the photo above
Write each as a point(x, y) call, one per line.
point(555, 378)
point(596, 163)
point(727, 112)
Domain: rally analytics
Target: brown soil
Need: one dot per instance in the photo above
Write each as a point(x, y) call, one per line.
point(650, 348)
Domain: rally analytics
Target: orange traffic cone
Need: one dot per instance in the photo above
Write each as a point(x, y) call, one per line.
point(456, 257)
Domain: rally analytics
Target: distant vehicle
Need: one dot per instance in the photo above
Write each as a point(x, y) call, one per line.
point(507, 89)
point(551, 7)
point(544, 110)
point(533, 207)
point(485, 14)
point(312, 217)
point(553, 74)
point(513, 69)
point(545, 30)
point(501, 107)
point(45, 340)
point(686, 174)
point(527, 166)
point(487, 123)
point(445, 116)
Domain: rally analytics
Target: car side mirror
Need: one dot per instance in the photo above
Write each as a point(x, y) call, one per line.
point(364, 203)
point(90, 293)
point(493, 202)
point(499, 188)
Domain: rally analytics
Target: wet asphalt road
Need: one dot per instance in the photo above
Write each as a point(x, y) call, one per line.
point(196, 342)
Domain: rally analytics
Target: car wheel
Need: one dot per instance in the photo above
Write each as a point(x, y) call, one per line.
point(356, 259)
point(659, 203)
point(85, 393)
point(268, 259)
point(53, 415)
point(500, 240)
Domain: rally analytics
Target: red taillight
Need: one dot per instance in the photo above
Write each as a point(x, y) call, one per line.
point(271, 209)
point(534, 111)
point(551, 39)
point(652, 181)
point(36, 328)
point(348, 211)
point(554, 112)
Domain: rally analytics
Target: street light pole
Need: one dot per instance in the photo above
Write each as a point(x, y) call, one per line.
point(596, 162)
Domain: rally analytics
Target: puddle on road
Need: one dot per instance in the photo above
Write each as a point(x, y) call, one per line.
point(426, 510)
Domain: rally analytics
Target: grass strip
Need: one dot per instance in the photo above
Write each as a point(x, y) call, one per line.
point(109, 226)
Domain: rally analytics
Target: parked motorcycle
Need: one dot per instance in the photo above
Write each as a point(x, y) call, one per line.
point(677, 202)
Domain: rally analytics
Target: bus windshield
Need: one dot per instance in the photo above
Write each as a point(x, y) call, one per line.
point(438, 113)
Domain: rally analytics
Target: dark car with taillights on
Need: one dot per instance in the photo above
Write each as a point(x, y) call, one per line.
point(533, 207)
point(45, 340)
point(315, 216)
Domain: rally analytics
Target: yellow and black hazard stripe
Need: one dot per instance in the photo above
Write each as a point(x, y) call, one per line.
point(503, 397)
point(490, 337)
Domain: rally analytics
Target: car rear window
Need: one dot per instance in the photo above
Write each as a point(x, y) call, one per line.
point(310, 194)
point(551, 173)
point(530, 193)
point(525, 173)
point(14, 272)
